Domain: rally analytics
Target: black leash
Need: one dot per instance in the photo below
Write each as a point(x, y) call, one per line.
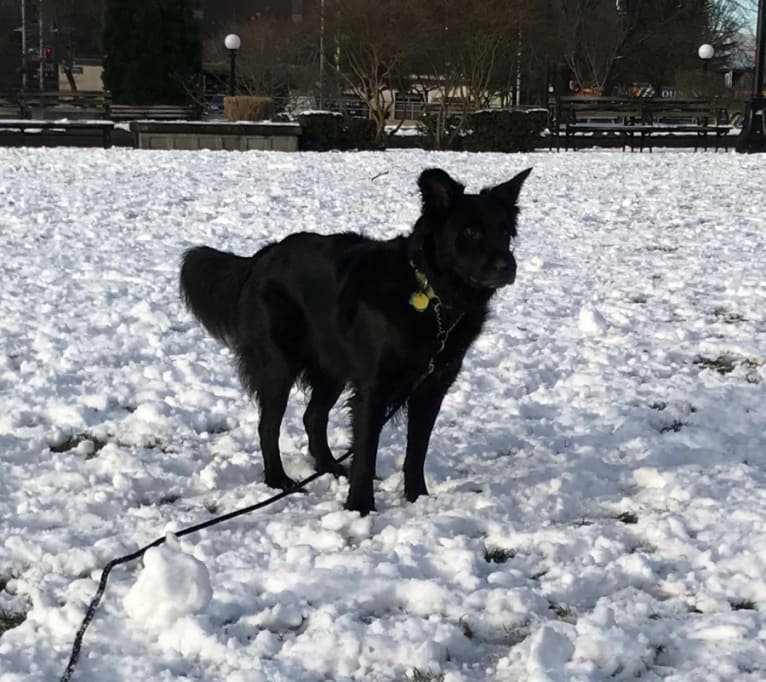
point(91, 611)
point(442, 336)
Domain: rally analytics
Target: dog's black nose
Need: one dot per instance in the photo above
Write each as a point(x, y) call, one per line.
point(504, 269)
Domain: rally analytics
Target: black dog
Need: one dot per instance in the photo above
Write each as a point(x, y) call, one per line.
point(391, 319)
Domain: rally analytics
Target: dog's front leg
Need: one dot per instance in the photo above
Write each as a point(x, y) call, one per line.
point(367, 415)
point(423, 409)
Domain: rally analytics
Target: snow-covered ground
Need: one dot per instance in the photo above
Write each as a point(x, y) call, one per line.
point(598, 472)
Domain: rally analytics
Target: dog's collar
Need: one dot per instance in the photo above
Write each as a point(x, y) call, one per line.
point(421, 299)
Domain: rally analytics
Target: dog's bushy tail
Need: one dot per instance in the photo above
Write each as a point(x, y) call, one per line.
point(211, 284)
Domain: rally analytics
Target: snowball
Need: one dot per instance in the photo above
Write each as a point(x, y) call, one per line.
point(591, 321)
point(650, 477)
point(549, 652)
point(171, 585)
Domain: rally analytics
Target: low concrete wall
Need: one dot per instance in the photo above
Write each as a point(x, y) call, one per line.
point(242, 137)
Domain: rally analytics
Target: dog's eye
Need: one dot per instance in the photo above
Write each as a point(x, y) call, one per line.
point(472, 232)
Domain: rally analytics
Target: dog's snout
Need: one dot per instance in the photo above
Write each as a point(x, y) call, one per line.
point(503, 264)
point(504, 268)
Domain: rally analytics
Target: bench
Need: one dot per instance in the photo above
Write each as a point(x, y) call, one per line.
point(11, 128)
point(693, 117)
point(602, 116)
point(53, 105)
point(154, 112)
point(632, 122)
point(9, 107)
point(86, 105)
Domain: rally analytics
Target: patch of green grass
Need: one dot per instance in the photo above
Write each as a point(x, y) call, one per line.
point(74, 441)
point(498, 555)
point(628, 518)
point(675, 426)
point(515, 634)
point(743, 605)
point(563, 612)
point(723, 364)
point(10, 620)
point(428, 676)
point(727, 317)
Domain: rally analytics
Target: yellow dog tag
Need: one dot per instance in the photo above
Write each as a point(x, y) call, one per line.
point(419, 301)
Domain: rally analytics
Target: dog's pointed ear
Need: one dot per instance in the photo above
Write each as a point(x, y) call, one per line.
point(509, 191)
point(439, 191)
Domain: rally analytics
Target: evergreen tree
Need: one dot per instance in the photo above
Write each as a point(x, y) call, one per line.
point(152, 51)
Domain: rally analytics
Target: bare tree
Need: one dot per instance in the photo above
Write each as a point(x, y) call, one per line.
point(468, 59)
point(725, 23)
point(592, 34)
point(370, 45)
point(662, 45)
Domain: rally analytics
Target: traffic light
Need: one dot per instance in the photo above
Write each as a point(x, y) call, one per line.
point(50, 69)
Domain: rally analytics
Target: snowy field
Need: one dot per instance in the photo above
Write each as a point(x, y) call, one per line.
point(598, 471)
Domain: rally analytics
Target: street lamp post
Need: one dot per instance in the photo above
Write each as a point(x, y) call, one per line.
point(753, 135)
point(23, 47)
point(232, 43)
point(705, 53)
point(321, 54)
point(40, 78)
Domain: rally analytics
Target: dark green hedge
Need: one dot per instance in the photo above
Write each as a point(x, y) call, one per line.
point(325, 130)
point(496, 130)
point(447, 127)
point(504, 131)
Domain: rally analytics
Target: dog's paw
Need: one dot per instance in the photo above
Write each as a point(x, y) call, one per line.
point(412, 491)
point(330, 466)
point(360, 503)
point(281, 482)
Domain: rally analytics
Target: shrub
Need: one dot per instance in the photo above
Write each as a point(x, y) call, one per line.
point(441, 132)
point(504, 131)
point(320, 131)
point(247, 108)
point(359, 132)
point(325, 130)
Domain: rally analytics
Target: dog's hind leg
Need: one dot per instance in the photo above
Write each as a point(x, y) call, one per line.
point(324, 394)
point(272, 394)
